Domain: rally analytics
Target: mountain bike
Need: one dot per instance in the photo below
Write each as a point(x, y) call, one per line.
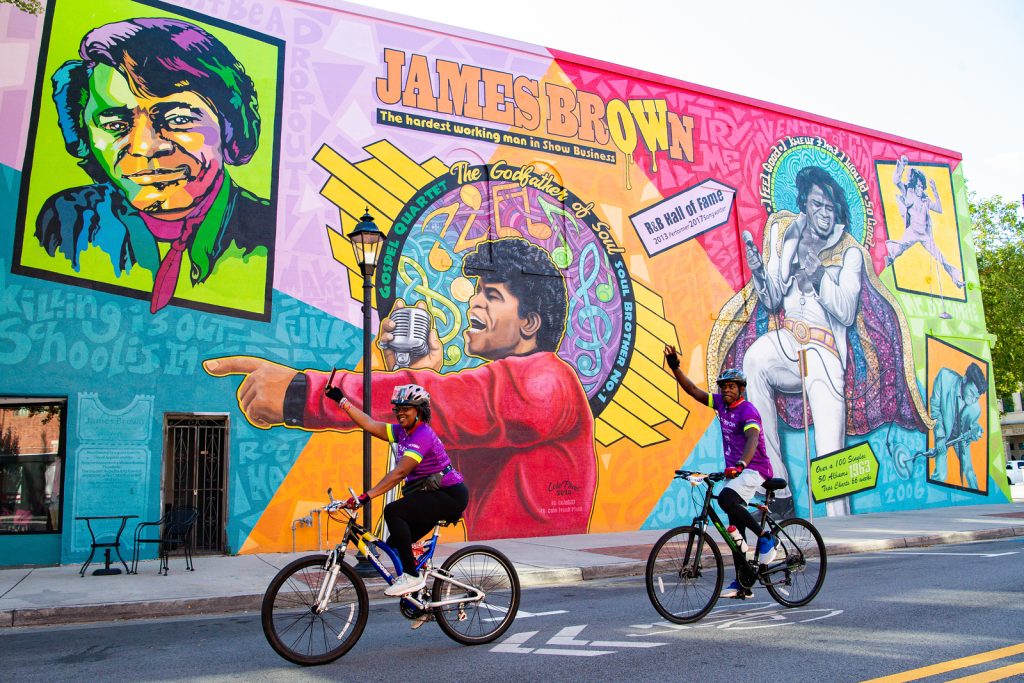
point(685, 570)
point(315, 608)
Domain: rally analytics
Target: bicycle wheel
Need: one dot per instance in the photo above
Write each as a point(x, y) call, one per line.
point(480, 621)
point(682, 583)
point(797, 581)
point(291, 623)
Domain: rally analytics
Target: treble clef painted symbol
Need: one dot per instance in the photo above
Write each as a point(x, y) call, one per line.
point(589, 317)
point(556, 214)
point(447, 314)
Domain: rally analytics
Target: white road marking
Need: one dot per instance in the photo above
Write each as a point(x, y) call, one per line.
point(566, 637)
point(622, 643)
point(911, 552)
point(512, 643)
point(571, 653)
point(523, 614)
point(741, 618)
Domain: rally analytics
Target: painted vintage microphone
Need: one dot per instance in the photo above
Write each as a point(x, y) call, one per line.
point(412, 329)
point(748, 239)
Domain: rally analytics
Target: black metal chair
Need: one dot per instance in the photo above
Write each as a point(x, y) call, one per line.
point(174, 529)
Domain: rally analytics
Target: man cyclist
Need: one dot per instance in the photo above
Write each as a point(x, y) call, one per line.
point(746, 462)
point(422, 455)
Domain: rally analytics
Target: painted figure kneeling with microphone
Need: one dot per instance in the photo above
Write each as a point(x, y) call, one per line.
point(746, 463)
point(434, 490)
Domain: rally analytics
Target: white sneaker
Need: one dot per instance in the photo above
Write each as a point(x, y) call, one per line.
point(405, 584)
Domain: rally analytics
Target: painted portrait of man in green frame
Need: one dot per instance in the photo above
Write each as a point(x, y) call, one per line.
point(151, 162)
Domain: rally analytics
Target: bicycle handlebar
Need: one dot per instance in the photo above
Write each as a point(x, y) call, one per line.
point(335, 505)
point(694, 476)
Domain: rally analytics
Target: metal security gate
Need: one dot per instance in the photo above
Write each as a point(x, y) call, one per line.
point(195, 474)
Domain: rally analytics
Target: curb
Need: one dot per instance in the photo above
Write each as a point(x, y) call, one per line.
point(528, 577)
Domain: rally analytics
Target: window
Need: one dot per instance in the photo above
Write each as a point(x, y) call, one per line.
point(31, 465)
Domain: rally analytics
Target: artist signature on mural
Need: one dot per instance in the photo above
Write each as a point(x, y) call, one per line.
point(563, 488)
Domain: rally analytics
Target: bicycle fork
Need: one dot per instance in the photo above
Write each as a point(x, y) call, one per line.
point(327, 587)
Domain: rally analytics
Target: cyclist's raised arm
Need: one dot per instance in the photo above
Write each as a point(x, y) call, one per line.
point(364, 421)
point(685, 382)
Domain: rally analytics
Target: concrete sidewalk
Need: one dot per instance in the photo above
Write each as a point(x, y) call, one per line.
point(58, 595)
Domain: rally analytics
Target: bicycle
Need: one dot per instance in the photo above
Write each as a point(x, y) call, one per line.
point(316, 607)
point(685, 571)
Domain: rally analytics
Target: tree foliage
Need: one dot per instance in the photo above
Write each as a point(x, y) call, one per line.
point(30, 6)
point(8, 443)
point(999, 244)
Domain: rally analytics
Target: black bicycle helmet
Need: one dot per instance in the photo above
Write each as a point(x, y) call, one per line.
point(732, 375)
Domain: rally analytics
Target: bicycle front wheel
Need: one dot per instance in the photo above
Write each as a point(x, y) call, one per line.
point(471, 621)
point(297, 629)
point(684, 574)
point(798, 580)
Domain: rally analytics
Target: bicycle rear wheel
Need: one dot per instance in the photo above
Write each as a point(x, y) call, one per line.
point(796, 582)
point(474, 622)
point(290, 620)
point(684, 574)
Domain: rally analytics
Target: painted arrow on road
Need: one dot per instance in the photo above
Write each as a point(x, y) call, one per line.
point(571, 645)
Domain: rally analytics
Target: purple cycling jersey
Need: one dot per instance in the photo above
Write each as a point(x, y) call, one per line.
point(736, 420)
point(423, 445)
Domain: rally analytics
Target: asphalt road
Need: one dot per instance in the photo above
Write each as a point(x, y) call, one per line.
point(878, 614)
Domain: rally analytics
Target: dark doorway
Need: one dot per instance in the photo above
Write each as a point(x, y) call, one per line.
point(195, 474)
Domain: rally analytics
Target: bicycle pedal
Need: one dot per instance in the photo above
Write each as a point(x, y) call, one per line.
point(420, 620)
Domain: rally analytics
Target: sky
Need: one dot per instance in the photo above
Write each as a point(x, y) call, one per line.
point(947, 73)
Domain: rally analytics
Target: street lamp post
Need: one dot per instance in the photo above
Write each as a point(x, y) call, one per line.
point(366, 242)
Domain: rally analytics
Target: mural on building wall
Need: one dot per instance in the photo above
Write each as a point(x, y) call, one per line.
point(813, 290)
point(508, 306)
point(957, 399)
point(551, 224)
point(924, 239)
point(155, 112)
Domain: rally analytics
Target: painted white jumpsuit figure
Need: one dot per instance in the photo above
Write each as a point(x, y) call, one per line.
point(916, 207)
point(816, 305)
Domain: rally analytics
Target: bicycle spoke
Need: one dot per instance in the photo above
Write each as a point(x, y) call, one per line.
point(474, 618)
point(682, 585)
point(799, 573)
point(291, 622)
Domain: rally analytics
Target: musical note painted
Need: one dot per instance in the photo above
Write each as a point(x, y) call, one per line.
point(591, 320)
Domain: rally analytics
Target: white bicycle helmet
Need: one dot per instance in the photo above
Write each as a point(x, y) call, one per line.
point(410, 395)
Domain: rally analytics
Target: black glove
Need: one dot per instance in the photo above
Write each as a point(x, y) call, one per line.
point(334, 393)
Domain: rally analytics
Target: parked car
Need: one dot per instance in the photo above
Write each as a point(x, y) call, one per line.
point(1015, 471)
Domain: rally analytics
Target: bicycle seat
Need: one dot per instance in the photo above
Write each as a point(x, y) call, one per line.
point(774, 484)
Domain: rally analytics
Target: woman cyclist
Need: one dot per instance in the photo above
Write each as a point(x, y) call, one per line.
point(434, 490)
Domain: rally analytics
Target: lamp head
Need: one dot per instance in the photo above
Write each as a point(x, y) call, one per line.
point(366, 241)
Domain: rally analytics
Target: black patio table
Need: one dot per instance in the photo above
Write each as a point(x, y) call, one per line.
point(106, 543)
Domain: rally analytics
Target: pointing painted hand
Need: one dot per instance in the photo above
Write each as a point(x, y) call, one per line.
point(261, 393)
